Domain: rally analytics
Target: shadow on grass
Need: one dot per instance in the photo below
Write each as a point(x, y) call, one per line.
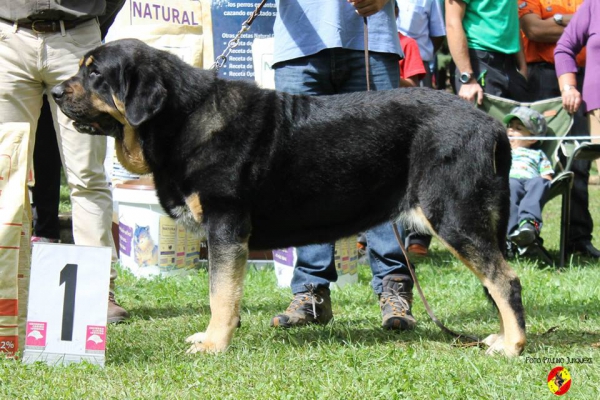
point(168, 311)
point(563, 337)
point(202, 308)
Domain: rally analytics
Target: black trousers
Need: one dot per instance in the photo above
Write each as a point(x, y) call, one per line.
point(47, 167)
point(543, 84)
point(497, 74)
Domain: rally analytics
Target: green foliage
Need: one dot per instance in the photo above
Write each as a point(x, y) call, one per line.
point(351, 358)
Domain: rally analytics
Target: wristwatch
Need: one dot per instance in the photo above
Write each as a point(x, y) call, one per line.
point(465, 77)
point(558, 18)
point(566, 88)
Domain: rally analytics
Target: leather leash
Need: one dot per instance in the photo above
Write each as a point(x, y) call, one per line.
point(439, 323)
point(366, 36)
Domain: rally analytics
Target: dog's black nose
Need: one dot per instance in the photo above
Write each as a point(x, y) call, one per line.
point(58, 92)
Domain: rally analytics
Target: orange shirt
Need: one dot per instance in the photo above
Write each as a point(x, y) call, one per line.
point(544, 52)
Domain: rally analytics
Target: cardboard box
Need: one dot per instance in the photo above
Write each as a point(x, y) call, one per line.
point(150, 242)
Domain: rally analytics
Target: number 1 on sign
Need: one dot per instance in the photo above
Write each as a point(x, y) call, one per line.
point(68, 276)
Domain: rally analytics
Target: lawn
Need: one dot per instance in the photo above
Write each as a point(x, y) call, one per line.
point(351, 358)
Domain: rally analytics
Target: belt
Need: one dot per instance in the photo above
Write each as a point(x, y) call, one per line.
point(47, 26)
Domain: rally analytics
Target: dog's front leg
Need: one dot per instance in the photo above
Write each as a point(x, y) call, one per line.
point(227, 268)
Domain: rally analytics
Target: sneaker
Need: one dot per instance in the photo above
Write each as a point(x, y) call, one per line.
point(395, 302)
point(511, 250)
point(116, 313)
point(311, 307)
point(585, 249)
point(526, 234)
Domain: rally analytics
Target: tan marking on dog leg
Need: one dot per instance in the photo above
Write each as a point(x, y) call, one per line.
point(193, 203)
point(513, 334)
point(227, 271)
point(129, 152)
point(511, 339)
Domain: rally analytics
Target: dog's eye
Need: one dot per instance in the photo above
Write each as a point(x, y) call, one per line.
point(94, 74)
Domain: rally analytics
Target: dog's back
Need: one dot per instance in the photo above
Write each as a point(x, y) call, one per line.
point(348, 162)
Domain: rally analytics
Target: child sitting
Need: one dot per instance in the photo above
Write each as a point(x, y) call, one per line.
point(530, 176)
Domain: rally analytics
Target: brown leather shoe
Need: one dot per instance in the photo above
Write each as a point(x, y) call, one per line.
point(116, 313)
point(311, 307)
point(396, 301)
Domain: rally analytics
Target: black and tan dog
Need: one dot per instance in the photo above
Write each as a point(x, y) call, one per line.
point(259, 169)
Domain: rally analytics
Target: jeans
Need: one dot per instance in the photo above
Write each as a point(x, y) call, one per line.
point(333, 71)
point(527, 198)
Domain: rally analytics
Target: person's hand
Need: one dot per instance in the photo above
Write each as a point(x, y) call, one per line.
point(366, 8)
point(470, 92)
point(571, 100)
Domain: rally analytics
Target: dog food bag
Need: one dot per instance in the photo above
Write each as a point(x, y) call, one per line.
point(171, 25)
point(15, 221)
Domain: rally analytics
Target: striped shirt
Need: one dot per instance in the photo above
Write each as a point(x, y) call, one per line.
point(529, 163)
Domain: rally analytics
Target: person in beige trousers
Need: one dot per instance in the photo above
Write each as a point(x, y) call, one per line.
point(41, 44)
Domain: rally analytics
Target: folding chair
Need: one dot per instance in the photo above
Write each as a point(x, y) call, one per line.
point(559, 123)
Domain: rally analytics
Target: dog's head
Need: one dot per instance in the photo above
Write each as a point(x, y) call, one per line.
point(116, 87)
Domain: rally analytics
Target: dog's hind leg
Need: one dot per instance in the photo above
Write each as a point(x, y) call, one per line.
point(482, 255)
point(227, 269)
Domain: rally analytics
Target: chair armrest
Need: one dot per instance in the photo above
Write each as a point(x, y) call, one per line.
point(585, 151)
point(560, 184)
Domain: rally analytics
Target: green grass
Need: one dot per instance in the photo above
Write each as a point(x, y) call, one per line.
point(352, 358)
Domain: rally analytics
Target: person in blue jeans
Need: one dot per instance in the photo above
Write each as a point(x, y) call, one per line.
point(319, 50)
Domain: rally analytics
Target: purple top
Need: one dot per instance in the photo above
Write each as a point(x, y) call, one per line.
point(583, 30)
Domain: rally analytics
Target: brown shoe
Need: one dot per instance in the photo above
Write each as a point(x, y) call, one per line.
point(116, 313)
point(312, 307)
point(395, 302)
point(417, 250)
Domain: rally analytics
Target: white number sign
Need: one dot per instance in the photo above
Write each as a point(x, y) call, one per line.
point(68, 301)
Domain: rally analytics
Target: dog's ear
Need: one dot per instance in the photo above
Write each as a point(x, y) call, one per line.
point(145, 96)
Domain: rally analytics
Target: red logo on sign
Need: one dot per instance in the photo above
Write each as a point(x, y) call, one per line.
point(95, 338)
point(36, 334)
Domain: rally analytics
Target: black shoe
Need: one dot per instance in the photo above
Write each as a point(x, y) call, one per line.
point(311, 307)
point(395, 302)
point(585, 249)
point(526, 234)
point(511, 250)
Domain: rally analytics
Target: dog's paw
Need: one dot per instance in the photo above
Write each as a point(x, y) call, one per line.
point(497, 345)
point(205, 348)
point(196, 338)
point(200, 344)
